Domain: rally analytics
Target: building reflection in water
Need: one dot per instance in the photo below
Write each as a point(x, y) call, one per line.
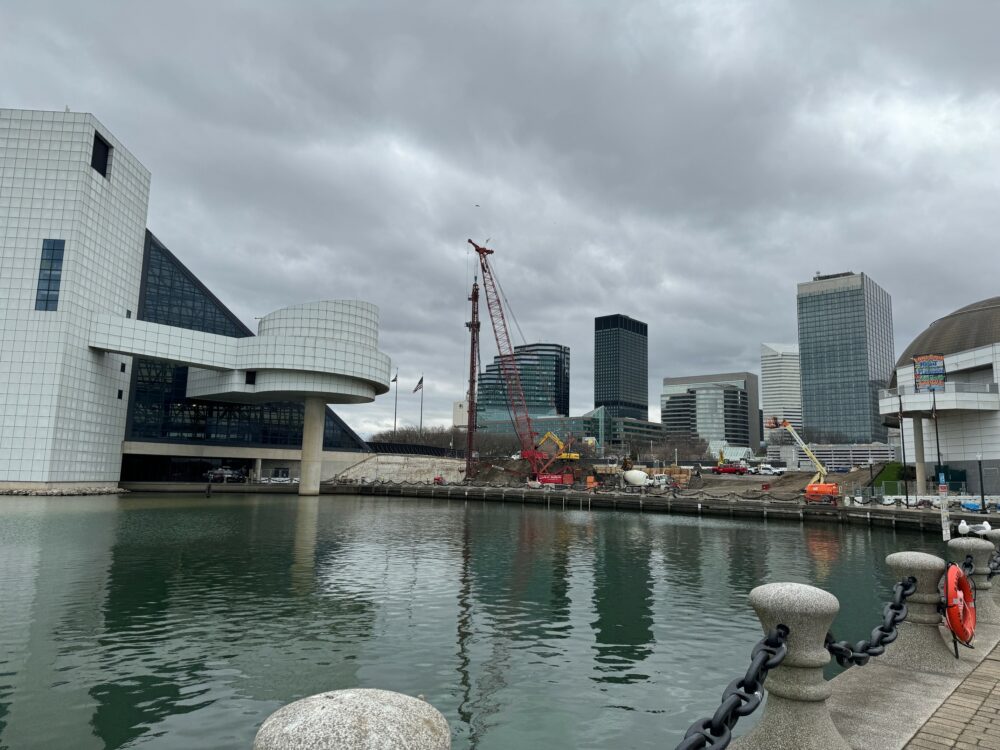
point(623, 602)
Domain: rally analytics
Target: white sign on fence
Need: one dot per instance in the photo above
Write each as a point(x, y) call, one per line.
point(945, 522)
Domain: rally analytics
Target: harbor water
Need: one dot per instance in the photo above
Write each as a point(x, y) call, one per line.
point(170, 622)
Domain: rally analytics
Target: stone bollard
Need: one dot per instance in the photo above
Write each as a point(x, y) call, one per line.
point(920, 645)
point(993, 536)
point(355, 720)
point(987, 610)
point(796, 716)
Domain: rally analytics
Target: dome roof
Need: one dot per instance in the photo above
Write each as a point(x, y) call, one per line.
point(968, 327)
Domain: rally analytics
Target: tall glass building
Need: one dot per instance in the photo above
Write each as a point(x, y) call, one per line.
point(621, 366)
point(845, 357)
point(712, 408)
point(160, 412)
point(544, 372)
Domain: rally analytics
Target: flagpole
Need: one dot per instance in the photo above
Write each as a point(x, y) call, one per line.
point(421, 405)
point(395, 408)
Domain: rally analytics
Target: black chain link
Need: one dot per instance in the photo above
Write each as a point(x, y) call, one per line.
point(893, 614)
point(969, 566)
point(741, 697)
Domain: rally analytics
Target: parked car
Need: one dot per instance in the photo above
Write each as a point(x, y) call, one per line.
point(224, 474)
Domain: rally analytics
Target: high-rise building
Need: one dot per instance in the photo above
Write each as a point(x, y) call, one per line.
point(845, 357)
point(712, 408)
point(544, 374)
point(621, 366)
point(780, 391)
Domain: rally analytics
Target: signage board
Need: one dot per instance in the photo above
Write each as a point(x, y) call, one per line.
point(928, 373)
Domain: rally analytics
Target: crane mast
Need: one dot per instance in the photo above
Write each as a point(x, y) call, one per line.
point(508, 363)
point(470, 432)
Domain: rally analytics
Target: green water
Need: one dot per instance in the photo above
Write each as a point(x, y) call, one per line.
point(180, 622)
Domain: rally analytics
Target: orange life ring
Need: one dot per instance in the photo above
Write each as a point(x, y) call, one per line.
point(960, 604)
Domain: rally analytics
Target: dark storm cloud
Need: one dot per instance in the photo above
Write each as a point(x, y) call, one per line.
point(685, 163)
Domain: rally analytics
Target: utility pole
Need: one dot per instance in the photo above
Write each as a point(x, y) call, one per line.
point(470, 430)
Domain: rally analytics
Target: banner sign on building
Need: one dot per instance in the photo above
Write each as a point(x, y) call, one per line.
point(928, 373)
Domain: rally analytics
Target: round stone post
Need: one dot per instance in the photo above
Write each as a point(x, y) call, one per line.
point(796, 716)
point(987, 610)
point(355, 720)
point(920, 645)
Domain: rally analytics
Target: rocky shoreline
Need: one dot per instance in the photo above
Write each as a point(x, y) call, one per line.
point(65, 492)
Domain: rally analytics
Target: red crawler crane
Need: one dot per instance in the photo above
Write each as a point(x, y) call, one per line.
point(538, 460)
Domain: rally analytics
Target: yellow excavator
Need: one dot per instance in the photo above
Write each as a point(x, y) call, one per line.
point(818, 490)
point(563, 454)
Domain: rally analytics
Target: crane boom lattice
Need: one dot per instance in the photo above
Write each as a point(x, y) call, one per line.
point(508, 362)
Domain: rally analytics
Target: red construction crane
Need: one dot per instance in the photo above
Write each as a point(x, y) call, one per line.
point(538, 460)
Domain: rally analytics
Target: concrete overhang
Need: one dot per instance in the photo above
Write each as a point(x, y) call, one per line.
point(320, 349)
point(955, 397)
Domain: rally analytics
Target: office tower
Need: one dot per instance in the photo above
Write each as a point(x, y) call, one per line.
point(544, 374)
point(621, 369)
point(845, 357)
point(714, 407)
point(780, 391)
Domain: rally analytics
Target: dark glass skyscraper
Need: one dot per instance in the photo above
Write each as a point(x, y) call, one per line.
point(845, 357)
point(544, 372)
point(621, 366)
point(159, 410)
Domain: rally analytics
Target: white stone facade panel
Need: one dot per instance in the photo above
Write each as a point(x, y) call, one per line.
point(62, 405)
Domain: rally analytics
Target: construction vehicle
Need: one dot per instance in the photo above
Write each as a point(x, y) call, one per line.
point(818, 490)
point(563, 454)
point(539, 462)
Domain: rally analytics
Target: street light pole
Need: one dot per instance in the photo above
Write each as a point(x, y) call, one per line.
point(982, 489)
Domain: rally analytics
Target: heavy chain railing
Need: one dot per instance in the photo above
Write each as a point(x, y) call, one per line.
point(741, 697)
point(969, 565)
point(893, 614)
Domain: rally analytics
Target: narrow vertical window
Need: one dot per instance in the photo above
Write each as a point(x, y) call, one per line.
point(101, 154)
point(49, 275)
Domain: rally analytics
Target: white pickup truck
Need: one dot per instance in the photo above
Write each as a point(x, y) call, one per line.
point(771, 470)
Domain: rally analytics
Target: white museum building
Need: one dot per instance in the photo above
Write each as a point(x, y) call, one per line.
point(73, 243)
point(965, 400)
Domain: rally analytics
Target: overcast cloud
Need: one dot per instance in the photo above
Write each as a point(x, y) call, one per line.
point(685, 163)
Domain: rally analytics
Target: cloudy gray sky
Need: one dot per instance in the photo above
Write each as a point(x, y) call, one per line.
point(686, 163)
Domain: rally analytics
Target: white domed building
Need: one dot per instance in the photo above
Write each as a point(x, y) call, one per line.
point(950, 371)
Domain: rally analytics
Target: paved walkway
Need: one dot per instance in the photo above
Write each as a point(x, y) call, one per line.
point(970, 716)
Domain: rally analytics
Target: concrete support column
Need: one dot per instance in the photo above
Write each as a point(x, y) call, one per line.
point(796, 716)
point(355, 720)
point(918, 456)
point(987, 610)
point(920, 646)
point(312, 445)
point(258, 469)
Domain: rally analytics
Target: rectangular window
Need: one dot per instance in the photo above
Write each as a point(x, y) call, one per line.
point(123, 367)
point(49, 275)
point(101, 155)
point(119, 394)
point(251, 378)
